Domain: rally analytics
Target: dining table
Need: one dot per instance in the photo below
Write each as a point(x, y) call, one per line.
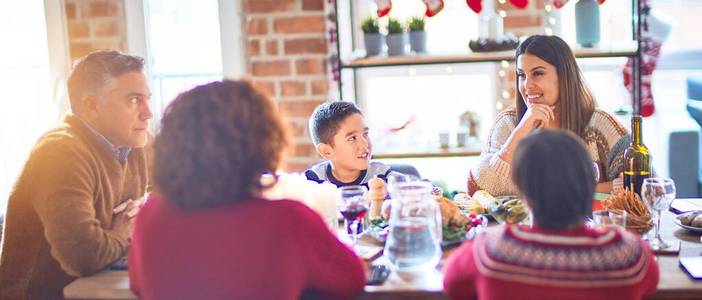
point(674, 282)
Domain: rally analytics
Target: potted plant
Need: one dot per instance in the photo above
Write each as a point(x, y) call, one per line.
point(372, 38)
point(396, 37)
point(417, 35)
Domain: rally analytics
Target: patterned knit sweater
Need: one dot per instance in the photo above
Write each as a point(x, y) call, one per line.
point(605, 138)
point(518, 262)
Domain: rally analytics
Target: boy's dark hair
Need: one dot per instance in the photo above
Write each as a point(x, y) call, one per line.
point(554, 171)
point(326, 119)
point(91, 72)
point(215, 142)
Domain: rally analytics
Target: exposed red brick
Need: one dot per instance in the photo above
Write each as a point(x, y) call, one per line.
point(312, 4)
point(78, 29)
point(71, 11)
point(257, 26)
point(310, 66)
point(293, 88)
point(298, 128)
point(253, 48)
point(104, 8)
point(266, 6)
point(299, 24)
point(299, 108)
point(272, 47)
point(107, 28)
point(80, 49)
point(319, 87)
point(306, 46)
point(304, 150)
point(522, 21)
point(265, 87)
point(271, 68)
point(296, 166)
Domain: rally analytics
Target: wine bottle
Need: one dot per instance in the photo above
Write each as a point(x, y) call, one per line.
point(637, 160)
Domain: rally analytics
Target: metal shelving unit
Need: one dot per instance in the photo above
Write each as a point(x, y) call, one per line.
point(355, 61)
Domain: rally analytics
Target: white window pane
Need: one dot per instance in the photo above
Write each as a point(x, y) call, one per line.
point(27, 106)
point(184, 36)
point(433, 98)
point(23, 29)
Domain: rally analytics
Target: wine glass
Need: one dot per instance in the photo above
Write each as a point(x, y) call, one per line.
point(596, 170)
point(657, 194)
point(353, 206)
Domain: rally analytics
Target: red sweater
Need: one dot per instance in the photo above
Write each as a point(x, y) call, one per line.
point(530, 263)
point(258, 249)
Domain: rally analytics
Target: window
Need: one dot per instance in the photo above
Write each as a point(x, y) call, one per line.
point(681, 56)
point(27, 72)
point(186, 43)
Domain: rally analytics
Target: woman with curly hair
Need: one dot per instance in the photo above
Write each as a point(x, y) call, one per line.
point(207, 233)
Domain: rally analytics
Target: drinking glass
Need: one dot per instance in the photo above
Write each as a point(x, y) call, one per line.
point(614, 217)
point(657, 194)
point(596, 168)
point(353, 206)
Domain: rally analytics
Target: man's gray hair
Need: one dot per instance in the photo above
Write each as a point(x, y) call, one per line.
point(91, 72)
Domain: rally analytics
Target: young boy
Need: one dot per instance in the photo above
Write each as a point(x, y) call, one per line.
point(340, 135)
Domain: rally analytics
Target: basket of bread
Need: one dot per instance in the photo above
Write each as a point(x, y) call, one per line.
point(638, 217)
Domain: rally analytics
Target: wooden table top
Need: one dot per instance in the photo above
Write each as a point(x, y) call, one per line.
point(674, 283)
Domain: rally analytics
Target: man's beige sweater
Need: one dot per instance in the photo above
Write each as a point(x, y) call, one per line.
point(60, 208)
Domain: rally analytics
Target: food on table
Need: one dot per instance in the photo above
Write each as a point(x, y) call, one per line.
point(697, 221)
point(687, 218)
point(376, 193)
point(485, 199)
point(455, 223)
point(469, 204)
point(511, 211)
point(638, 218)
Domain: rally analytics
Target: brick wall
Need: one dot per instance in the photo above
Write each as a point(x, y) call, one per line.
point(287, 52)
point(95, 24)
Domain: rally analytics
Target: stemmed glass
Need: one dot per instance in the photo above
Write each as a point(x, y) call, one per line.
point(353, 206)
point(657, 194)
point(596, 170)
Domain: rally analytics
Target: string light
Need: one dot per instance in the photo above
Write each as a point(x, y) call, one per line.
point(503, 13)
point(550, 22)
point(502, 1)
point(504, 64)
point(502, 73)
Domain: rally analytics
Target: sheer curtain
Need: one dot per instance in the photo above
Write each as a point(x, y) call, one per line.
point(27, 105)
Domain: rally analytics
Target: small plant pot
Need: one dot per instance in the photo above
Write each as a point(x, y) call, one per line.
point(396, 43)
point(374, 43)
point(418, 41)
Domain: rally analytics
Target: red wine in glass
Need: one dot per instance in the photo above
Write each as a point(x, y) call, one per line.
point(353, 212)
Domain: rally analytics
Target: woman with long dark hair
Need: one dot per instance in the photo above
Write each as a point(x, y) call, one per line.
point(551, 93)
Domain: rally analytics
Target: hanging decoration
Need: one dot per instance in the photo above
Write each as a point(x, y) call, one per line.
point(656, 29)
point(561, 3)
point(384, 7)
point(433, 7)
point(477, 5)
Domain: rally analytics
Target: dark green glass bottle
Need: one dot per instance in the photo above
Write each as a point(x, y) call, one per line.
point(637, 160)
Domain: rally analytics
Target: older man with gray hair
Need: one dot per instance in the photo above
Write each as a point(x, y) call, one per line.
point(70, 211)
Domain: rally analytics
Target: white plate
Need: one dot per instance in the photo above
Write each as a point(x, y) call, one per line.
point(690, 228)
